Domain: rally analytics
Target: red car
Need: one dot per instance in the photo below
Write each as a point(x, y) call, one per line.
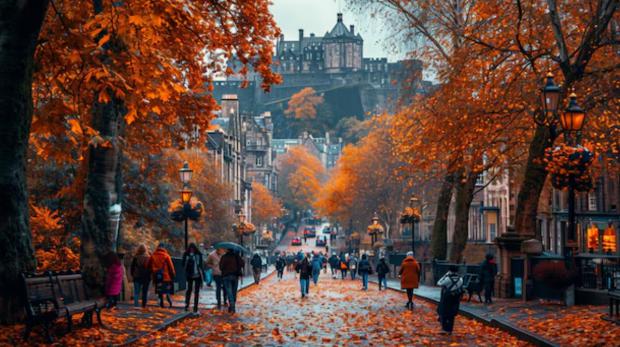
point(296, 242)
point(310, 232)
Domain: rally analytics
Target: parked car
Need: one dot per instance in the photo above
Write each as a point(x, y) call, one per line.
point(296, 241)
point(327, 230)
point(310, 232)
point(320, 242)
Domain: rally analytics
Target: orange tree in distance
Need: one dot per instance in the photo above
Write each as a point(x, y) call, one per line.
point(301, 174)
point(265, 206)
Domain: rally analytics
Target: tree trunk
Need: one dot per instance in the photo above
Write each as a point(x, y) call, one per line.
point(533, 182)
point(464, 195)
point(102, 191)
point(439, 239)
point(20, 24)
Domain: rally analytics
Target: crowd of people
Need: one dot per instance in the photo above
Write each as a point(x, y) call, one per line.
point(225, 267)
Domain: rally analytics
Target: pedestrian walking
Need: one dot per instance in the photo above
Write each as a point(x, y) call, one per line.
point(194, 270)
point(280, 264)
point(231, 266)
point(488, 271)
point(257, 267)
point(290, 261)
point(353, 266)
point(451, 291)
point(304, 269)
point(409, 277)
point(344, 266)
point(334, 264)
point(323, 262)
point(160, 265)
point(113, 279)
point(382, 270)
point(317, 263)
point(141, 275)
point(213, 263)
point(364, 270)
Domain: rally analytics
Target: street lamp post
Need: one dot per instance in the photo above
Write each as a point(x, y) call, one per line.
point(185, 174)
point(411, 216)
point(374, 229)
point(571, 122)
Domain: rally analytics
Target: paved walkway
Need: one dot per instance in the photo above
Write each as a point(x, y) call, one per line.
point(530, 317)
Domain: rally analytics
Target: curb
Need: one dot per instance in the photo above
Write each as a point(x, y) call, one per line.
point(499, 323)
point(184, 315)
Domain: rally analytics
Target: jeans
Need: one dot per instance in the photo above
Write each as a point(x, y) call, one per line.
point(197, 282)
point(343, 273)
point(334, 271)
point(209, 277)
point(230, 284)
point(382, 282)
point(280, 273)
point(488, 292)
point(365, 279)
point(256, 272)
point(315, 276)
point(219, 289)
point(303, 284)
point(140, 287)
point(353, 274)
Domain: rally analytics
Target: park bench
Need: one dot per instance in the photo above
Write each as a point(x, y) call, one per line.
point(472, 284)
point(53, 295)
point(614, 306)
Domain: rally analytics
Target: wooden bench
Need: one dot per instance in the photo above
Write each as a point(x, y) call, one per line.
point(473, 285)
point(614, 306)
point(54, 295)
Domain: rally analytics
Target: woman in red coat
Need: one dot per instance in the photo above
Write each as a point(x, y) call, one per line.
point(113, 279)
point(409, 277)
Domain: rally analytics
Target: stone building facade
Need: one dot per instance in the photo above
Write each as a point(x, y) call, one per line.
point(259, 150)
point(327, 149)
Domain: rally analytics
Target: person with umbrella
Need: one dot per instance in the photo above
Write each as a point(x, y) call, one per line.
point(231, 266)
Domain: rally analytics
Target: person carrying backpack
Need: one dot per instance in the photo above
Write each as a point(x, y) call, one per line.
point(257, 267)
point(451, 291)
point(194, 270)
point(163, 272)
point(334, 264)
point(364, 270)
point(304, 269)
point(382, 270)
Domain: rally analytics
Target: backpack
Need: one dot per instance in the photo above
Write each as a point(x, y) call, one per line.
point(343, 265)
point(454, 289)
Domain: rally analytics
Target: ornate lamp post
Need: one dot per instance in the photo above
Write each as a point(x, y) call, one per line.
point(571, 122)
point(243, 228)
point(185, 174)
point(374, 229)
point(411, 215)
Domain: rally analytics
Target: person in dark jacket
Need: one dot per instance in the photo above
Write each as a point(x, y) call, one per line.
point(382, 270)
point(280, 264)
point(231, 265)
point(334, 264)
point(304, 269)
point(316, 264)
point(194, 270)
point(344, 265)
point(364, 269)
point(488, 271)
point(257, 267)
point(141, 275)
point(451, 291)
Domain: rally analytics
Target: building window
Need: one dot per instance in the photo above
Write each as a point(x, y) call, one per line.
point(259, 161)
point(592, 201)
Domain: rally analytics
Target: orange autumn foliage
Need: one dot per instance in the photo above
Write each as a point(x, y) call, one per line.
point(301, 175)
point(265, 206)
point(303, 104)
point(55, 249)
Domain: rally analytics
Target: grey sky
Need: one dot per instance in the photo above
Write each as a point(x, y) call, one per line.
point(319, 16)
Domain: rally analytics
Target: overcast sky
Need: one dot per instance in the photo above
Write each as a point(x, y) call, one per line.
point(319, 16)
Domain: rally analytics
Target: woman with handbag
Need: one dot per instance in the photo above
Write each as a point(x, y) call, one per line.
point(163, 272)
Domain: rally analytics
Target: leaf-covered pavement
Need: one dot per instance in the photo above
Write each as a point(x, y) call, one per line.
point(336, 313)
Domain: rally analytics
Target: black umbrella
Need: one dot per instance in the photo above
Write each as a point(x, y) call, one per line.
point(232, 246)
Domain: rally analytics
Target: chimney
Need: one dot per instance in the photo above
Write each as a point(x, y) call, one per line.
point(301, 35)
point(339, 17)
point(352, 29)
